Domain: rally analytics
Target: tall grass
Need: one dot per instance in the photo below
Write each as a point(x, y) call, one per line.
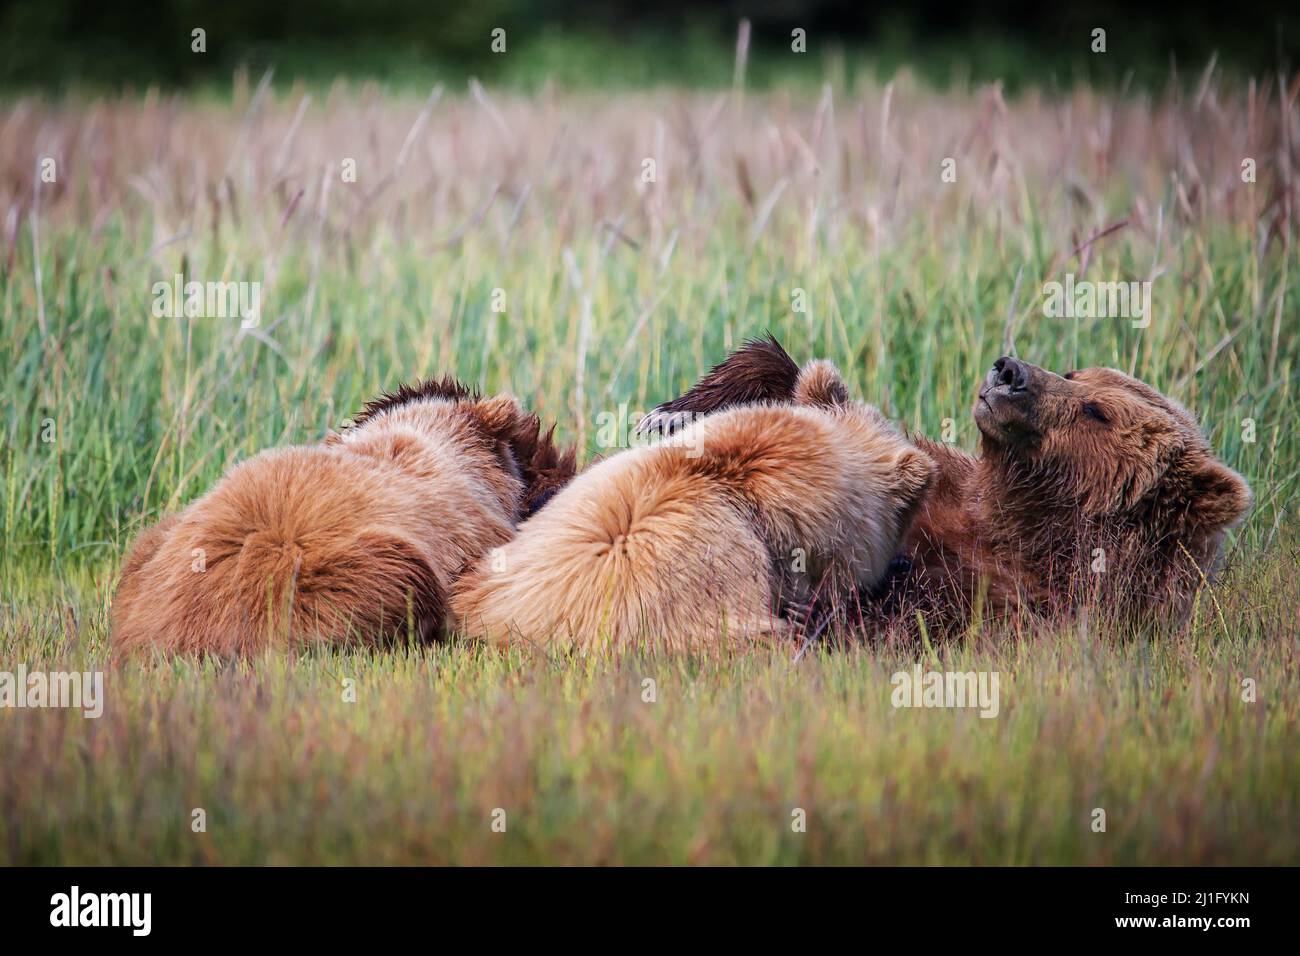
point(618, 290)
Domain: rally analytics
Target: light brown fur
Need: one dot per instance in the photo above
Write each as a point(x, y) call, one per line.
point(698, 541)
point(352, 541)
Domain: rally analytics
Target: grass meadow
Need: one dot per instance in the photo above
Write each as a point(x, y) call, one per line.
point(593, 253)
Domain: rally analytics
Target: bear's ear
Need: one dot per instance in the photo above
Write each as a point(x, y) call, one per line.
point(820, 384)
point(1218, 497)
point(915, 472)
point(500, 420)
point(524, 449)
point(498, 416)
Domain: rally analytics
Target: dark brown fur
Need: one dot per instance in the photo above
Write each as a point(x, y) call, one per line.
point(759, 371)
point(446, 387)
point(544, 467)
point(1093, 489)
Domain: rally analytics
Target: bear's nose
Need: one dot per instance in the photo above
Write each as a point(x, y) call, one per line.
point(1011, 372)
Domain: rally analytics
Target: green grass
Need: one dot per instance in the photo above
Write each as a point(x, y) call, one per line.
point(618, 292)
point(1155, 733)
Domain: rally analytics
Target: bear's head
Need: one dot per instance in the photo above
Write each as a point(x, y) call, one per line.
point(1110, 448)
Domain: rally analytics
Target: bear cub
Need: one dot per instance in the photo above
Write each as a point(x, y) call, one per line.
point(706, 538)
point(355, 540)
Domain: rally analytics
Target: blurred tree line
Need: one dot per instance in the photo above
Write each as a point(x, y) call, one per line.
point(54, 43)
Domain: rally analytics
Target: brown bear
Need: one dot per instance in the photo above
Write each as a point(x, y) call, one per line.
point(705, 539)
point(1091, 489)
point(352, 541)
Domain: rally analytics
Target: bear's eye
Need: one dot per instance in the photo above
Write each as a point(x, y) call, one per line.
point(1069, 375)
point(1093, 410)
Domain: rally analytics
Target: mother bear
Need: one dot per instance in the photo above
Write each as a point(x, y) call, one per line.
point(1091, 488)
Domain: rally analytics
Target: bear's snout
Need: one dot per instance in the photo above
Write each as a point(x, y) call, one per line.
point(1007, 405)
point(1009, 372)
point(1011, 383)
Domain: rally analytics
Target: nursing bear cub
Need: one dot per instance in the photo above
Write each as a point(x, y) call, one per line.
point(352, 541)
point(708, 537)
point(1092, 489)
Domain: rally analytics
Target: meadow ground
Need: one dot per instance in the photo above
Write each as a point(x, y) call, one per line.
point(593, 253)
